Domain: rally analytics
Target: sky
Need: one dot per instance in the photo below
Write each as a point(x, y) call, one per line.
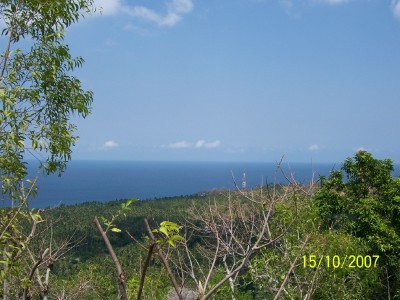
point(239, 80)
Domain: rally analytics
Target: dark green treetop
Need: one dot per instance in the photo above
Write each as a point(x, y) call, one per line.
point(366, 204)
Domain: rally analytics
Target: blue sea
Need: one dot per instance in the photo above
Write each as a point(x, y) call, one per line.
point(85, 181)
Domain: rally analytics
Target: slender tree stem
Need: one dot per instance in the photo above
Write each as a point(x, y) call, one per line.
point(143, 275)
point(7, 52)
point(121, 278)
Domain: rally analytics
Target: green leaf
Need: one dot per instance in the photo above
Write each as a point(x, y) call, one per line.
point(130, 201)
point(164, 230)
point(37, 217)
point(176, 238)
point(115, 229)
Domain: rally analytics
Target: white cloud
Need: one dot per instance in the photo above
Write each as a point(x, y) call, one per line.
point(181, 6)
point(108, 7)
point(334, 2)
point(175, 10)
point(396, 8)
point(294, 6)
point(178, 145)
point(110, 144)
point(314, 147)
point(209, 145)
point(199, 144)
point(214, 144)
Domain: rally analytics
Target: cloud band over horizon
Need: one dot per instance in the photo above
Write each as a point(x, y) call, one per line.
point(199, 144)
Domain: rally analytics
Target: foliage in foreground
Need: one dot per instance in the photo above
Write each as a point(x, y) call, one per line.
point(38, 96)
point(303, 254)
point(307, 250)
point(367, 206)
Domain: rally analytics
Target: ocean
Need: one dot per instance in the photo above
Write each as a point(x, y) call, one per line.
point(85, 181)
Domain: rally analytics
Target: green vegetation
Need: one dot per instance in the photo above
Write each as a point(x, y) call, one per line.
point(38, 95)
point(366, 206)
point(286, 241)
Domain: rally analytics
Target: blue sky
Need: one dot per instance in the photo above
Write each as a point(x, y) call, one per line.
point(240, 80)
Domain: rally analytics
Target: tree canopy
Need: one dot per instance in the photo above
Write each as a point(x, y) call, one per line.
point(38, 93)
point(366, 203)
point(38, 96)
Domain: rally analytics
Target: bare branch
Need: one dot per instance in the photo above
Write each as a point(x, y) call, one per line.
point(291, 269)
point(121, 278)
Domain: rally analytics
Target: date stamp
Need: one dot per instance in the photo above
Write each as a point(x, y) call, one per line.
point(337, 261)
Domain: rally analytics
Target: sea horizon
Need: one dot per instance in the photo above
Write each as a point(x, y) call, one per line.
point(108, 180)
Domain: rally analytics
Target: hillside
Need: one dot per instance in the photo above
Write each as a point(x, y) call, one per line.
point(277, 241)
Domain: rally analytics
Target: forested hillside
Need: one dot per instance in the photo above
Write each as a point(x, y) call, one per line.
point(332, 239)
